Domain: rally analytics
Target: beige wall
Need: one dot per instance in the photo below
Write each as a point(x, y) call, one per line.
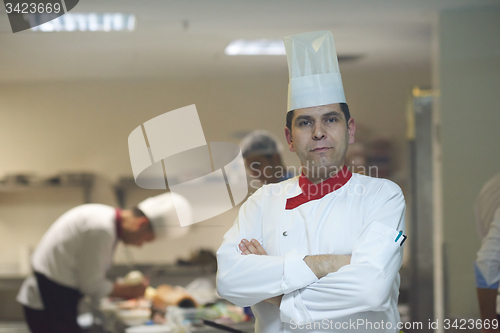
point(83, 126)
point(469, 76)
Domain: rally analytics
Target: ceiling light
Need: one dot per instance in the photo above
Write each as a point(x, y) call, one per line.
point(255, 47)
point(84, 22)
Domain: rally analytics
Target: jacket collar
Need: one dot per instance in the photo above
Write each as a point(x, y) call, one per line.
point(311, 191)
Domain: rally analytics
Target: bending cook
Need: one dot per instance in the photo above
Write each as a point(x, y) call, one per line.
point(73, 256)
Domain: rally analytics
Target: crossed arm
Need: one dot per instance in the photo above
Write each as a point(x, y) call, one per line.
point(310, 288)
point(368, 283)
point(321, 265)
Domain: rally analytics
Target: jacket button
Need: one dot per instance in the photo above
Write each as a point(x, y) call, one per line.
point(285, 233)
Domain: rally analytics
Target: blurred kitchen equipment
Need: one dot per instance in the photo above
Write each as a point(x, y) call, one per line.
point(149, 329)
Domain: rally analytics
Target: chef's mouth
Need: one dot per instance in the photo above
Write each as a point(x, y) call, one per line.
point(321, 149)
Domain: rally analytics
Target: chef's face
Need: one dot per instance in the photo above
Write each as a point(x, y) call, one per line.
point(320, 137)
point(143, 233)
point(145, 236)
point(262, 167)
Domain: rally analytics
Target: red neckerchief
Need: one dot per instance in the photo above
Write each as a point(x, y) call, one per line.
point(118, 223)
point(311, 191)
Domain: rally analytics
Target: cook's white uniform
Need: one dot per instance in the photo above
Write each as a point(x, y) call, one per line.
point(75, 252)
point(487, 265)
point(487, 209)
point(361, 218)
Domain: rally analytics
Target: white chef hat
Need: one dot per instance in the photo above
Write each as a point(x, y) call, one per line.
point(260, 142)
point(162, 212)
point(314, 70)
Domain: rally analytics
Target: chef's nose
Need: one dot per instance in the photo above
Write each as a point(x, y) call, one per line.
point(318, 131)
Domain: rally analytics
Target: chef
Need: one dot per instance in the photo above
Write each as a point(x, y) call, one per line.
point(321, 251)
point(73, 256)
point(262, 154)
point(487, 265)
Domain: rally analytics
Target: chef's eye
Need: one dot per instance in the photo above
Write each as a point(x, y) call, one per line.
point(303, 122)
point(332, 120)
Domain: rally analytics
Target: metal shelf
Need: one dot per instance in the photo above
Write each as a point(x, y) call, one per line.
point(66, 180)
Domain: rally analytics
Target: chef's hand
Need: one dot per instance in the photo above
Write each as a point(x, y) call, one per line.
point(324, 264)
point(274, 300)
point(252, 247)
point(123, 290)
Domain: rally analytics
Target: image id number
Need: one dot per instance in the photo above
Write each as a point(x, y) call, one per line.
point(32, 8)
point(463, 324)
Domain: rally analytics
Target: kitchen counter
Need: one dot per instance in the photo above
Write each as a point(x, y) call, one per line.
point(114, 324)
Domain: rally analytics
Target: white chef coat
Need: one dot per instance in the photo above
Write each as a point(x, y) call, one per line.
point(488, 257)
point(487, 202)
point(75, 252)
point(487, 209)
point(359, 215)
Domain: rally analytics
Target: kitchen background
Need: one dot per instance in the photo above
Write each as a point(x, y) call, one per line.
point(69, 100)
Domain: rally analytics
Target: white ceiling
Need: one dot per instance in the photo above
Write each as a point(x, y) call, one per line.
point(185, 39)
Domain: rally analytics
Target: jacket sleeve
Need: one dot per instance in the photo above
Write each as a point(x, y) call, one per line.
point(488, 257)
point(366, 283)
point(93, 258)
point(248, 279)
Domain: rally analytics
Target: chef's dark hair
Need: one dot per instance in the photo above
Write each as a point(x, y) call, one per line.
point(343, 107)
point(137, 212)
